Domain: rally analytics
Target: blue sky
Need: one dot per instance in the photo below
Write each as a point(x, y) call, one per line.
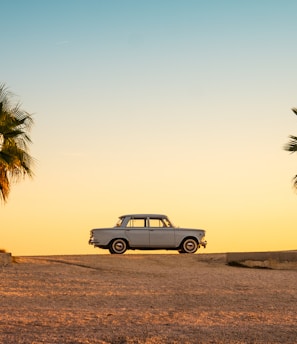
point(176, 107)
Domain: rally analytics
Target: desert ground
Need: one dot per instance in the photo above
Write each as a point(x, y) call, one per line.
point(143, 298)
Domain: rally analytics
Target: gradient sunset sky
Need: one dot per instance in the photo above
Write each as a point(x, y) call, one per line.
point(158, 106)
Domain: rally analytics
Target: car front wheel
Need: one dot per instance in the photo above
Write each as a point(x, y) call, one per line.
point(118, 246)
point(189, 245)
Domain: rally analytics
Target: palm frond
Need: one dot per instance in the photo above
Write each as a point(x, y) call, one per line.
point(295, 182)
point(4, 185)
point(291, 146)
point(15, 160)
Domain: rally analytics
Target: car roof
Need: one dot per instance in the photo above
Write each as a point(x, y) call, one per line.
point(144, 215)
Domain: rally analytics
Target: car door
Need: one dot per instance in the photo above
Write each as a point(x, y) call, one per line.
point(137, 232)
point(161, 236)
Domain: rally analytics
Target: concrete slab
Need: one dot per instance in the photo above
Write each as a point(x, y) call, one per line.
point(5, 259)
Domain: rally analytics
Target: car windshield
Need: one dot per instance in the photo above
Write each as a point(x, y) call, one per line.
point(168, 223)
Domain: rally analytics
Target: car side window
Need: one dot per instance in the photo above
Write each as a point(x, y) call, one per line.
point(157, 223)
point(139, 223)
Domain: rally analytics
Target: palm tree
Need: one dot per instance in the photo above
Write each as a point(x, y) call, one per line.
point(291, 146)
point(15, 160)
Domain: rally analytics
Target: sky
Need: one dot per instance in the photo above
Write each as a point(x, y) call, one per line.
point(178, 107)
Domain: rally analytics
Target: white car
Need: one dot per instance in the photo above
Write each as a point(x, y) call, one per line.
point(147, 232)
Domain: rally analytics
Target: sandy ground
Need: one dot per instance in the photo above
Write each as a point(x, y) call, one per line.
point(145, 299)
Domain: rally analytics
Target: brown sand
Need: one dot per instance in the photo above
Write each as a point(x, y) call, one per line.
point(145, 299)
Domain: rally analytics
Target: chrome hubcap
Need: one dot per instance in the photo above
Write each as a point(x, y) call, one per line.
point(119, 246)
point(190, 246)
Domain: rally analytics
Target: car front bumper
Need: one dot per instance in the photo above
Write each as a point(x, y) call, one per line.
point(203, 243)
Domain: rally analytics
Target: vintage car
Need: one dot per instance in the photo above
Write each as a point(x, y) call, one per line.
point(147, 232)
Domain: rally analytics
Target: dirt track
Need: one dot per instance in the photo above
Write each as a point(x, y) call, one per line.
point(145, 299)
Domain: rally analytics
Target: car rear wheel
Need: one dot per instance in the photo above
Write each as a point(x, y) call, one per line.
point(118, 246)
point(189, 245)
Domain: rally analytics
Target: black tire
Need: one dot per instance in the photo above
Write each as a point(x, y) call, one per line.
point(118, 246)
point(189, 245)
